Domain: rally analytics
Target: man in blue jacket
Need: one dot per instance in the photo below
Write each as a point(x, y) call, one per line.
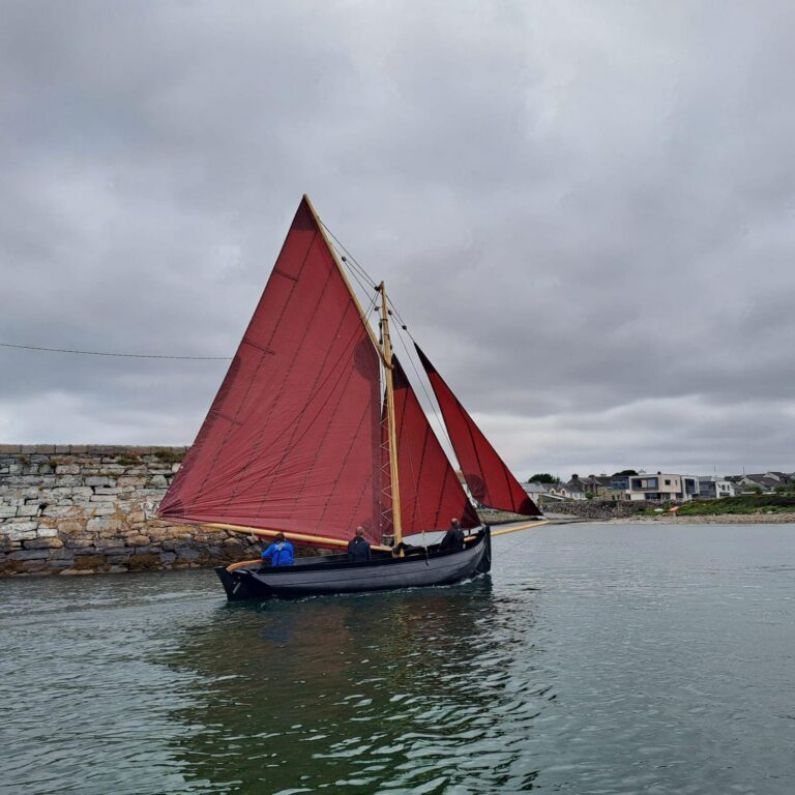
point(280, 552)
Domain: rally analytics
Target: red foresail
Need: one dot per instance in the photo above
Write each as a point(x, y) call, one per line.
point(292, 440)
point(486, 474)
point(430, 493)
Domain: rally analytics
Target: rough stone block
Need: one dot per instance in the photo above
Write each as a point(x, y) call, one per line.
point(7, 511)
point(188, 552)
point(103, 509)
point(96, 480)
point(140, 562)
point(21, 535)
point(28, 510)
point(103, 497)
point(56, 564)
point(29, 554)
point(111, 546)
point(103, 523)
point(131, 481)
point(43, 543)
point(89, 562)
point(70, 526)
point(61, 510)
point(80, 543)
point(112, 470)
point(67, 469)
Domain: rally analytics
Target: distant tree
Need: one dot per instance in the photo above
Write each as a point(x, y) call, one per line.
point(542, 477)
point(625, 472)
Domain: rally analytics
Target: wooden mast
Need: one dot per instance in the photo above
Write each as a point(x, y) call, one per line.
point(394, 476)
point(385, 352)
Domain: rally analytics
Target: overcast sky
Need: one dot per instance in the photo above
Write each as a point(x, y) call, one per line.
point(585, 211)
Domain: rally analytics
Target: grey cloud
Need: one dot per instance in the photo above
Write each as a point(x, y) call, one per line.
point(577, 208)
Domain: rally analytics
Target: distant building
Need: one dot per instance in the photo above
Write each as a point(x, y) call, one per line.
point(597, 485)
point(537, 490)
point(620, 482)
point(713, 487)
point(750, 484)
point(662, 486)
point(573, 490)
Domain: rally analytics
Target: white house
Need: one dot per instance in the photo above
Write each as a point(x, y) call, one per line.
point(662, 486)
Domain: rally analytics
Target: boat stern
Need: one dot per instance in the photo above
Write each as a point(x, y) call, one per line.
point(484, 567)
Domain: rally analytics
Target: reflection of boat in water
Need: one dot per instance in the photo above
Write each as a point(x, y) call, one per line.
point(383, 691)
point(316, 430)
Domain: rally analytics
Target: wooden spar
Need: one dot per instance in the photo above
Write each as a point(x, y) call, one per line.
point(526, 526)
point(394, 475)
point(506, 530)
point(345, 279)
point(304, 538)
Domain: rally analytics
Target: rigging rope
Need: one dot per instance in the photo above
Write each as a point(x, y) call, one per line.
point(114, 354)
point(354, 268)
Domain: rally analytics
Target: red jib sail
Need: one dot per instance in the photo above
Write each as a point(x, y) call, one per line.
point(292, 440)
point(430, 493)
point(486, 474)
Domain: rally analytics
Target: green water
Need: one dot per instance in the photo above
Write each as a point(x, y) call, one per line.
point(596, 659)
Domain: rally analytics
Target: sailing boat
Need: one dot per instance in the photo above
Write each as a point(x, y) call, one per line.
point(316, 430)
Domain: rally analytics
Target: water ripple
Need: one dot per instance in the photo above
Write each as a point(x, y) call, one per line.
point(598, 660)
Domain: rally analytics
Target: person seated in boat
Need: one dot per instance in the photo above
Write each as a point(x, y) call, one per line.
point(280, 552)
point(453, 540)
point(358, 548)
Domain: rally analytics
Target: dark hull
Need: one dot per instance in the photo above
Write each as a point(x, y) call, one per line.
point(334, 574)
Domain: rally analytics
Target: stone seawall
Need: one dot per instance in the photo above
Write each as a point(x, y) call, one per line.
point(74, 509)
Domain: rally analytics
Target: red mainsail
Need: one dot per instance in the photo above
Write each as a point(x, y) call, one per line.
point(292, 440)
point(486, 474)
point(430, 492)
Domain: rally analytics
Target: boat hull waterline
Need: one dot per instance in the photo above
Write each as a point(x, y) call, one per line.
point(336, 575)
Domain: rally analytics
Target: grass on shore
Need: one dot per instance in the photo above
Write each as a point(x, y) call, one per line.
point(749, 503)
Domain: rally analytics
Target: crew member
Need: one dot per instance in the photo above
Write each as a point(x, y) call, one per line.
point(453, 540)
point(358, 548)
point(280, 552)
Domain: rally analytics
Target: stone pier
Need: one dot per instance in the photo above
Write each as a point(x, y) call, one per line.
point(84, 509)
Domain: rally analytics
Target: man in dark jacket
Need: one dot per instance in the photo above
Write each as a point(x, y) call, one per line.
point(453, 540)
point(358, 548)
